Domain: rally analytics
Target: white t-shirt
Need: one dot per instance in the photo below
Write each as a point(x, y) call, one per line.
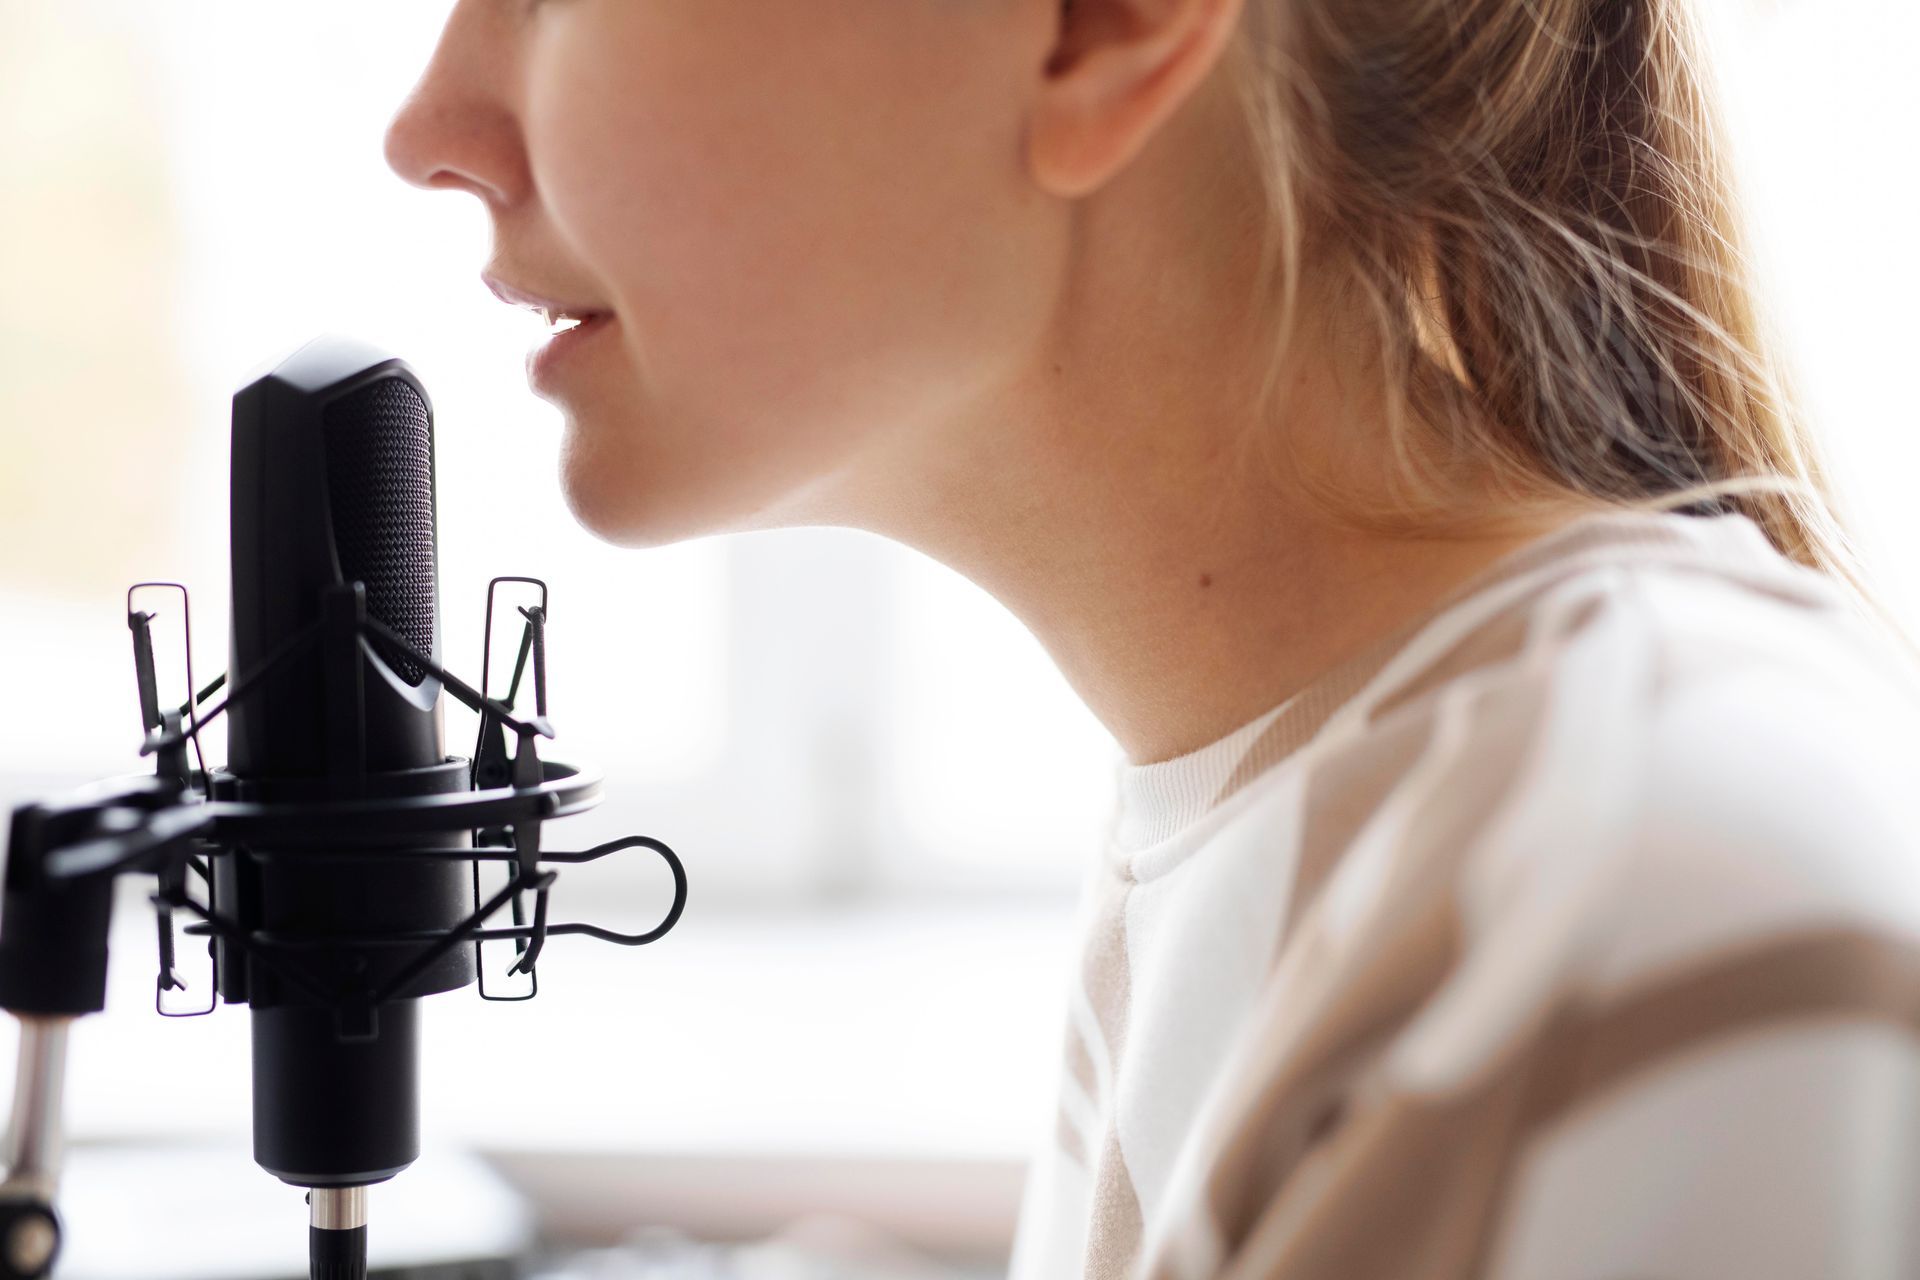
point(1570, 933)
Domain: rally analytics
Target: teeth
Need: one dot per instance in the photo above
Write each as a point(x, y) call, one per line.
point(560, 322)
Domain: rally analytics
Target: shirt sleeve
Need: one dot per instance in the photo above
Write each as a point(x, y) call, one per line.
point(1781, 1150)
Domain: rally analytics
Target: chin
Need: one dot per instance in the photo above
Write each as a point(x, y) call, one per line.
point(623, 517)
point(632, 497)
point(607, 500)
point(624, 501)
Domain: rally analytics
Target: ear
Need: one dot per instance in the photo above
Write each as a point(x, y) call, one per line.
point(1118, 70)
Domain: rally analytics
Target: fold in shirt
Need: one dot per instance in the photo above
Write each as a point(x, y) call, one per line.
point(1571, 932)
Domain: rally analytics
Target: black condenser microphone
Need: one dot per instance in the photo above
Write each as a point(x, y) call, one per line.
point(333, 485)
point(340, 846)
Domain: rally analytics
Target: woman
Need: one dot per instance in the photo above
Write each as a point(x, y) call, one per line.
point(1366, 403)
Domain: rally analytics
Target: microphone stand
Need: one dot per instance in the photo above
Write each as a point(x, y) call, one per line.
point(29, 1228)
point(64, 855)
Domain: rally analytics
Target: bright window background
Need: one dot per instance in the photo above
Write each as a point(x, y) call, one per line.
point(883, 788)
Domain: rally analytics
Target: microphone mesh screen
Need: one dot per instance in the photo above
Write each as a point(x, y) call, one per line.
point(380, 487)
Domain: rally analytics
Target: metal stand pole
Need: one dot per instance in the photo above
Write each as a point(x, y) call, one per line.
point(29, 1229)
point(337, 1233)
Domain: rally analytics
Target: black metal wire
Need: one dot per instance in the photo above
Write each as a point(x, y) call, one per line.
point(213, 686)
point(460, 933)
point(227, 933)
point(289, 648)
point(186, 627)
point(473, 698)
point(439, 942)
point(537, 624)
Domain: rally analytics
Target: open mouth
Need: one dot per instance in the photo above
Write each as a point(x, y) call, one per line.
point(560, 324)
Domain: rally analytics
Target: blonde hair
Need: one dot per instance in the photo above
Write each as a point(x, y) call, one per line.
point(1533, 202)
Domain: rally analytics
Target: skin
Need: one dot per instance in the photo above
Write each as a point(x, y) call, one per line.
point(967, 274)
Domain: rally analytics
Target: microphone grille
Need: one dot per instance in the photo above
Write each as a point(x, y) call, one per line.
point(379, 445)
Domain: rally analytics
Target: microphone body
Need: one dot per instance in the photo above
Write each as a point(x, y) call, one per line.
point(332, 485)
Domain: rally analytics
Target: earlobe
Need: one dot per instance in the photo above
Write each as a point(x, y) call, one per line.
point(1121, 68)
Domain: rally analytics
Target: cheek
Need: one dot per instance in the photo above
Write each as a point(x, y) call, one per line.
point(802, 212)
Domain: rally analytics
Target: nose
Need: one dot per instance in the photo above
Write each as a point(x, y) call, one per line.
point(455, 131)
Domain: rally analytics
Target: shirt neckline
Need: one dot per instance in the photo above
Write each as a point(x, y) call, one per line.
point(1159, 801)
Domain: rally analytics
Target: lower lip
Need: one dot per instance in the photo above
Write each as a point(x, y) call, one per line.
point(548, 361)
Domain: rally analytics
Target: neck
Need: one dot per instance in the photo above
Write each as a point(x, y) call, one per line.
point(1124, 496)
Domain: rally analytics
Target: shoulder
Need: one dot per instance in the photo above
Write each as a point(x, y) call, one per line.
point(1691, 950)
point(1768, 770)
point(1736, 962)
point(1774, 794)
point(1696, 762)
point(1711, 721)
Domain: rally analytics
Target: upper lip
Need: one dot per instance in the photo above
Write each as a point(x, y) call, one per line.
point(516, 296)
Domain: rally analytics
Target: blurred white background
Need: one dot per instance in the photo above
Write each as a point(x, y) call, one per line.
point(883, 790)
